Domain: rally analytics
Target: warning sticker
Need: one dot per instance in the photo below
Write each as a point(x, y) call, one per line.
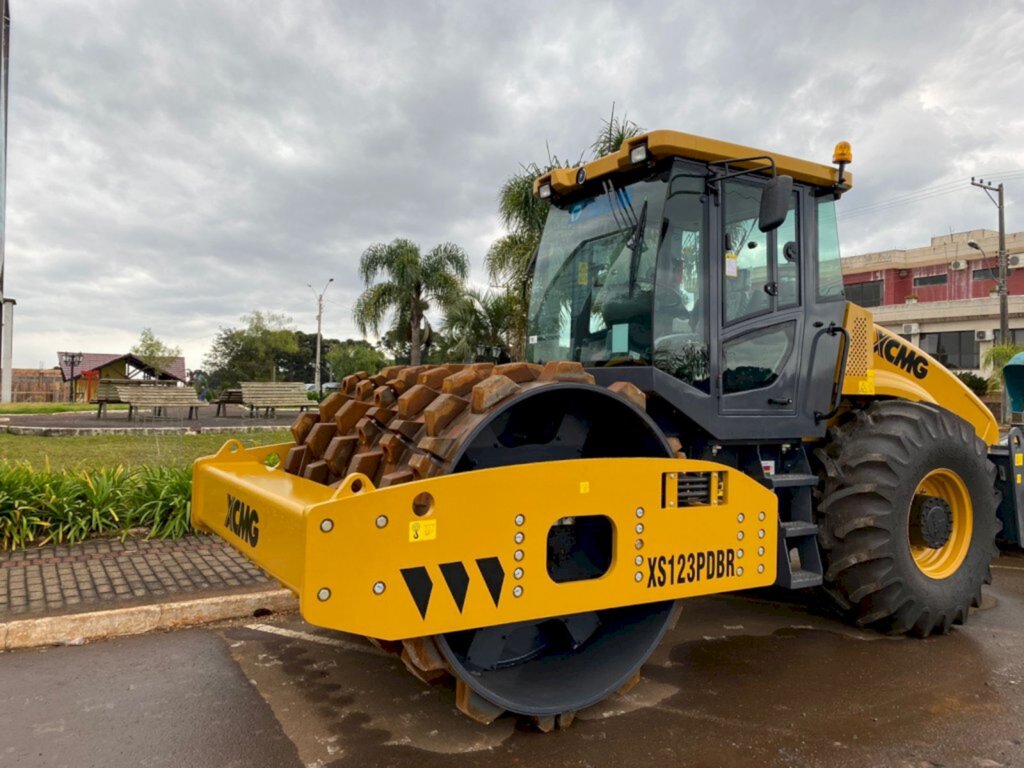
point(422, 530)
point(732, 267)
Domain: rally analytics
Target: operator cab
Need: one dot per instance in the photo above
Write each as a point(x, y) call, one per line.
point(660, 273)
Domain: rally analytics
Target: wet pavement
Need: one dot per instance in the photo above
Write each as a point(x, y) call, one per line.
point(741, 681)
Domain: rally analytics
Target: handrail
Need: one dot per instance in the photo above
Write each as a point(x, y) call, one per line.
point(832, 330)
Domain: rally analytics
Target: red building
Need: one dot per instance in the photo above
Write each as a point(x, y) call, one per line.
point(942, 297)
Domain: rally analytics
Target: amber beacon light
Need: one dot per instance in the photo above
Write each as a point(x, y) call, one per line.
point(841, 155)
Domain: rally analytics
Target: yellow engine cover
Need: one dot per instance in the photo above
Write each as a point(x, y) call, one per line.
point(471, 550)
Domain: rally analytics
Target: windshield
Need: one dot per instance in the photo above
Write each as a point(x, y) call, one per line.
point(594, 283)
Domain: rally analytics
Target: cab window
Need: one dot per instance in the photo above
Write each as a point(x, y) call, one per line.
point(746, 257)
point(830, 271)
point(680, 289)
point(787, 257)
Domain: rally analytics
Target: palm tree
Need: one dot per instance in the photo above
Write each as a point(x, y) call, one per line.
point(412, 281)
point(524, 214)
point(481, 319)
point(996, 359)
point(508, 259)
point(614, 132)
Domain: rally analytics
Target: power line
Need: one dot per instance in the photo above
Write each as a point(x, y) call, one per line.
point(925, 193)
point(914, 193)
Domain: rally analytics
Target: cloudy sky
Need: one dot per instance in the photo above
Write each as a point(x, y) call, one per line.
point(178, 164)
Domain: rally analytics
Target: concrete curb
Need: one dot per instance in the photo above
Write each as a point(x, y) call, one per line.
point(90, 431)
point(136, 620)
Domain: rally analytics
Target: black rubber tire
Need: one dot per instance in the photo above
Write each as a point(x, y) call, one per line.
point(872, 464)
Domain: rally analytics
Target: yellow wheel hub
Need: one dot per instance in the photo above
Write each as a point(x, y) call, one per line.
point(940, 562)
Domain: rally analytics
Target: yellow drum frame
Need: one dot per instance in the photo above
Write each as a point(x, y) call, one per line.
point(361, 559)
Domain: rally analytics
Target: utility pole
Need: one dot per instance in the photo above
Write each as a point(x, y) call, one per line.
point(6, 339)
point(1004, 321)
point(6, 303)
point(1004, 313)
point(317, 384)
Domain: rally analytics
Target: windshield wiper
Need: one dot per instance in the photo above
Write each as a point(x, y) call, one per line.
point(613, 197)
point(636, 244)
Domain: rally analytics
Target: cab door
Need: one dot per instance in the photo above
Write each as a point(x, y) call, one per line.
point(761, 320)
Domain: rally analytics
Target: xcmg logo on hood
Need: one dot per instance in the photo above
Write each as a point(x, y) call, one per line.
point(894, 351)
point(243, 520)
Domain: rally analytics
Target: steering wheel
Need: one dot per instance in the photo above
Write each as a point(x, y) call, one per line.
point(668, 298)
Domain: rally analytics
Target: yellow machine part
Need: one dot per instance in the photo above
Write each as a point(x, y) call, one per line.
point(470, 550)
point(661, 144)
point(882, 364)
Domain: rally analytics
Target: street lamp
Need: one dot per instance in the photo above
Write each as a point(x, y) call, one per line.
point(1004, 330)
point(319, 320)
point(71, 359)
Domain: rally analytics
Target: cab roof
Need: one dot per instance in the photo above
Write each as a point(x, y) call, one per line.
point(663, 144)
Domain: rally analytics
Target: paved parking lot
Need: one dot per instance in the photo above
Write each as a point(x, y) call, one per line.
point(742, 681)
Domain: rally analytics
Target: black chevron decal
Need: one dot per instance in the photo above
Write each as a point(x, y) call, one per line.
point(457, 579)
point(494, 576)
point(420, 586)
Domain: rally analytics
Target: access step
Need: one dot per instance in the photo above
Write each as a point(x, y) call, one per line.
point(794, 529)
point(794, 480)
point(804, 580)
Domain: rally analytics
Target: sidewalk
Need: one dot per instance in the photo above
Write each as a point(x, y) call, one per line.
point(103, 585)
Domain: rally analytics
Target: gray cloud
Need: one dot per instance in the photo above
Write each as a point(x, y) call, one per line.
point(176, 165)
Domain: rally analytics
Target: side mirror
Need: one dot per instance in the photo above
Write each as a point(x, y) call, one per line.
point(775, 203)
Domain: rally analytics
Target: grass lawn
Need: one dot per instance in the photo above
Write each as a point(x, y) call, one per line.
point(53, 407)
point(129, 450)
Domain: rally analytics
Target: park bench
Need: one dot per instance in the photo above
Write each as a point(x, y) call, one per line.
point(106, 393)
point(158, 398)
point(271, 395)
point(144, 393)
point(228, 397)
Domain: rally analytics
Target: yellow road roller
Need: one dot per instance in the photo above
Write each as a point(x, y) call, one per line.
point(701, 411)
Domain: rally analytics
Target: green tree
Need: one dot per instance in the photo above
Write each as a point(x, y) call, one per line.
point(996, 358)
point(410, 283)
point(153, 352)
point(257, 352)
point(351, 355)
point(482, 320)
point(301, 365)
point(508, 259)
point(615, 131)
point(523, 214)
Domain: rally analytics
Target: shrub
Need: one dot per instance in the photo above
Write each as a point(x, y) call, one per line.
point(43, 506)
point(979, 385)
